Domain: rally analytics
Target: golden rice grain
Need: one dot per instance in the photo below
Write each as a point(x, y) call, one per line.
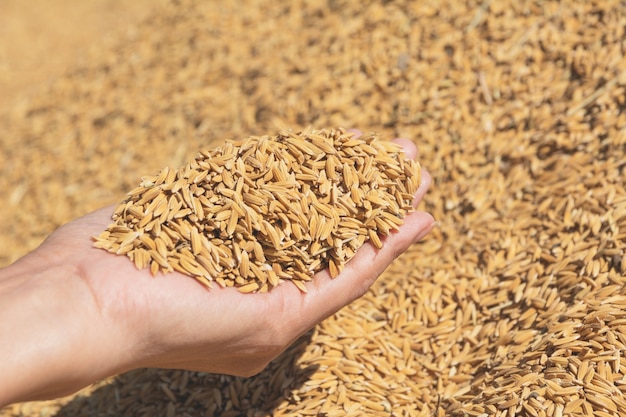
point(253, 209)
point(517, 298)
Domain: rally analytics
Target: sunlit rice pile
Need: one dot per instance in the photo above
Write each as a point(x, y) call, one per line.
point(515, 305)
point(262, 210)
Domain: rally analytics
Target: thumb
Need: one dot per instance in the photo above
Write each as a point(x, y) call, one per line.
point(325, 295)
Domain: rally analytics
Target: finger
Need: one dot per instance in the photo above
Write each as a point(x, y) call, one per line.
point(410, 150)
point(356, 133)
point(423, 187)
point(326, 295)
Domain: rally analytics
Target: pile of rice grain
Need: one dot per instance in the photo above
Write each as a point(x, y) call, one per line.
point(255, 212)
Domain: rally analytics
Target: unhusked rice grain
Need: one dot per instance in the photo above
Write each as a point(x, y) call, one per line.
point(258, 211)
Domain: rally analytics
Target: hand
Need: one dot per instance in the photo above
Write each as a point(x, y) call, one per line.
point(71, 314)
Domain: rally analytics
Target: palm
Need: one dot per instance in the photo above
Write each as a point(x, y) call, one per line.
point(174, 305)
point(184, 325)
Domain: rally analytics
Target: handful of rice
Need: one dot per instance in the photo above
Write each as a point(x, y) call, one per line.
point(256, 212)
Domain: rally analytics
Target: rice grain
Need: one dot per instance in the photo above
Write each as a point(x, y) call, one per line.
point(253, 208)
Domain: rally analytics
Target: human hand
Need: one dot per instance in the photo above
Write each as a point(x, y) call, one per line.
point(108, 317)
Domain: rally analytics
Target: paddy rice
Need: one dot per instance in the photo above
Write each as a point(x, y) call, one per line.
point(256, 212)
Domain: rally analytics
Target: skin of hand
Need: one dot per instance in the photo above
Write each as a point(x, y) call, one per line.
point(71, 314)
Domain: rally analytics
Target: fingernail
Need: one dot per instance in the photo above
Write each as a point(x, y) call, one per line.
point(426, 231)
point(357, 133)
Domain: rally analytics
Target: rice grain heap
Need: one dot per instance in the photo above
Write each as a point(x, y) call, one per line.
point(258, 211)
